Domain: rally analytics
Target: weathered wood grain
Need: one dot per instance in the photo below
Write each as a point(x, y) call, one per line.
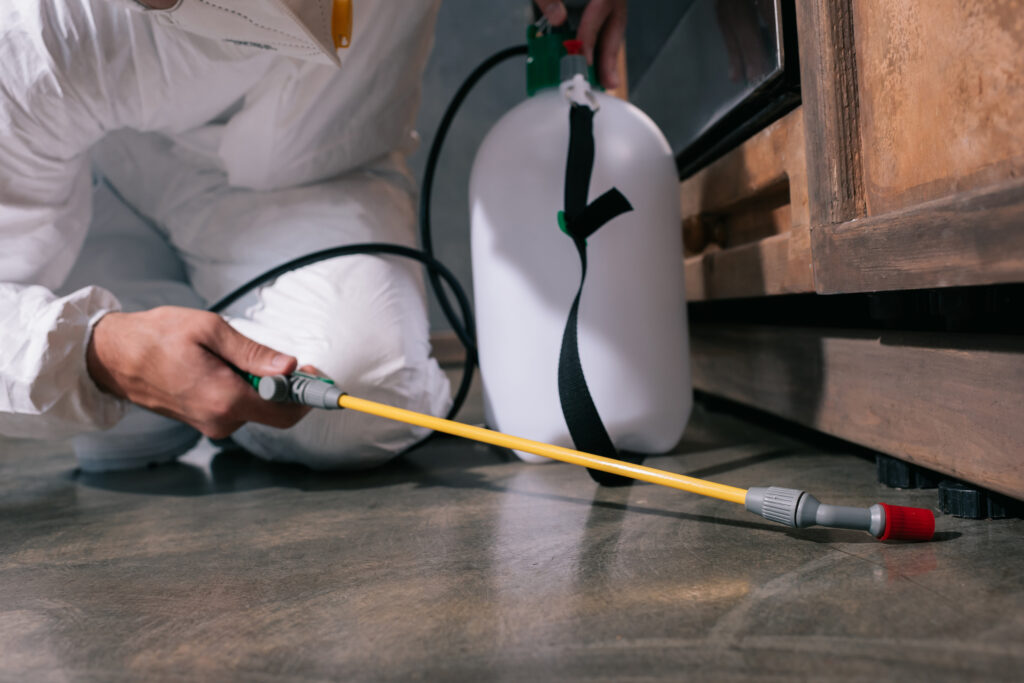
point(941, 91)
point(772, 157)
point(828, 85)
point(622, 89)
point(746, 220)
point(779, 264)
point(973, 238)
point(951, 403)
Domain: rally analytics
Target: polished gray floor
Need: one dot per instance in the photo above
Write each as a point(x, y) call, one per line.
point(456, 563)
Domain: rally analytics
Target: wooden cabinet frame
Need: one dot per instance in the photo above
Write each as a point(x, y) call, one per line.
point(950, 402)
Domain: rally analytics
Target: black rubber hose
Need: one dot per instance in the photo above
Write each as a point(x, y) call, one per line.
point(437, 273)
point(426, 193)
point(433, 266)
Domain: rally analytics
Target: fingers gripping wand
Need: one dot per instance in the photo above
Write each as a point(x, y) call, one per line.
point(790, 507)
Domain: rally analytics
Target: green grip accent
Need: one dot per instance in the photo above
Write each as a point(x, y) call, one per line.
point(325, 380)
point(544, 59)
point(561, 223)
point(564, 227)
point(544, 54)
point(254, 380)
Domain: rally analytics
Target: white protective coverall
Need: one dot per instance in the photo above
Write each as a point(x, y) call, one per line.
point(142, 165)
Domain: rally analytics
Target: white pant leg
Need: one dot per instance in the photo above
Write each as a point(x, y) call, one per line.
point(130, 258)
point(362, 321)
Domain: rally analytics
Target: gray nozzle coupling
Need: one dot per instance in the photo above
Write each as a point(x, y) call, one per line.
point(571, 65)
point(796, 508)
point(274, 388)
point(303, 389)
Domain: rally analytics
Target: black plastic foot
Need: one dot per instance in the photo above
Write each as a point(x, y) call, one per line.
point(899, 474)
point(961, 499)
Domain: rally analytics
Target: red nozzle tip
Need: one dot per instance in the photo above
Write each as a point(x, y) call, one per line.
point(907, 524)
point(573, 47)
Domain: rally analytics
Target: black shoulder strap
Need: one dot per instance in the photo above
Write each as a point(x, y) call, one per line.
point(579, 220)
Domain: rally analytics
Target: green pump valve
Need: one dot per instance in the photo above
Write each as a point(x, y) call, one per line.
point(546, 48)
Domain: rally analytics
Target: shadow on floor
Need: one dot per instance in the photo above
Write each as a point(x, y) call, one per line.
point(434, 465)
point(233, 470)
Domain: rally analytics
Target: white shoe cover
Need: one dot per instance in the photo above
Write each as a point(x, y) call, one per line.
point(142, 438)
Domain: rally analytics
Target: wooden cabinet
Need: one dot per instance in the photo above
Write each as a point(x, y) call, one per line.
point(903, 169)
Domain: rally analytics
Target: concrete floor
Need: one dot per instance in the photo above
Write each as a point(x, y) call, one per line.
point(456, 563)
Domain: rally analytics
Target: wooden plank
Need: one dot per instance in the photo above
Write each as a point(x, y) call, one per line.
point(748, 213)
point(951, 403)
point(772, 156)
point(763, 214)
point(828, 87)
point(941, 86)
point(974, 238)
point(780, 264)
point(622, 89)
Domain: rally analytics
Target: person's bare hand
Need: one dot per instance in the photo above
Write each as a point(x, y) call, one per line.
point(175, 361)
point(602, 29)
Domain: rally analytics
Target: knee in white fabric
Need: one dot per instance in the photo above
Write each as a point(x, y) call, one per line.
point(128, 257)
point(361, 320)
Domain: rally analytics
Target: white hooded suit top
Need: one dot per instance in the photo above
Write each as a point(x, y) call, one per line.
point(78, 78)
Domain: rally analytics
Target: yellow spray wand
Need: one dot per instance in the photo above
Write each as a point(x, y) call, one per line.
point(787, 506)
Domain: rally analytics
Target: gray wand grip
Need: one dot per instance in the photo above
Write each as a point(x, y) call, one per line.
point(275, 388)
point(797, 508)
point(305, 391)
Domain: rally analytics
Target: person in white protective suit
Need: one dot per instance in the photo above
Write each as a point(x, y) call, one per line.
point(156, 155)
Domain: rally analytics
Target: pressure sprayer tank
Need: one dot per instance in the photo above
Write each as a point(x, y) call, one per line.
point(633, 344)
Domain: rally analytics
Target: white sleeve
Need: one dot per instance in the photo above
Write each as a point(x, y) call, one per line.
point(45, 209)
point(45, 389)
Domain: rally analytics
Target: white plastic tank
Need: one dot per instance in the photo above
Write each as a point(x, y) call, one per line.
point(633, 341)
